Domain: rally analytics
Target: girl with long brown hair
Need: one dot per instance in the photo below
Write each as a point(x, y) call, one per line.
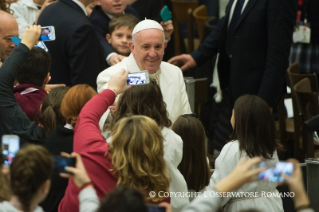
point(253, 136)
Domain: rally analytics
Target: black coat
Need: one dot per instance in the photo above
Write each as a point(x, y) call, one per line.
point(260, 49)
point(77, 56)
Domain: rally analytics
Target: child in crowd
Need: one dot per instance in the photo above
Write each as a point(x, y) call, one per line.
point(32, 77)
point(120, 33)
point(254, 135)
point(50, 116)
point(194, 158)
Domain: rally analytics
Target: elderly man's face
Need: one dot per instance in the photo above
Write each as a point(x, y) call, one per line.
point(8, 29)
point(148, 49)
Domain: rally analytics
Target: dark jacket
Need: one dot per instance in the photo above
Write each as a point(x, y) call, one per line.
point(12, 118)
point(260, 49)
point(77, 56)
point(59, 140)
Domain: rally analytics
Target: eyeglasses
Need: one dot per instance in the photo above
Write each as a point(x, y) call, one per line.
point(190, 115)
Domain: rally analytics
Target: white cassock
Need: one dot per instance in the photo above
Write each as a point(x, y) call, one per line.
point(171, 83)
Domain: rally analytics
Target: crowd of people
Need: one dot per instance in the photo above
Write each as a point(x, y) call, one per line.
point(138, 146)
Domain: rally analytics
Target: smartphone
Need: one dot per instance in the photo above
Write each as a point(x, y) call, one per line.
point(42, 46)
point(273, 174)
point(61, 162)
point(166, 14)
point(138, 78)
point(155, 208)
point(47, 33)
point(16, 40)
point(10, 146)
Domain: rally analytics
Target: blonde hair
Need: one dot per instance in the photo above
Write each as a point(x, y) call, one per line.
point(137, 154)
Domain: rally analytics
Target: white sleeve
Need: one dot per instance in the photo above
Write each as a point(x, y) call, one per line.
point(19, 14)
point(173, 153)
point(224, 164)
point(89, 202)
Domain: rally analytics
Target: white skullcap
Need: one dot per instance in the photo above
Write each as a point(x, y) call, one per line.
point(147, 24)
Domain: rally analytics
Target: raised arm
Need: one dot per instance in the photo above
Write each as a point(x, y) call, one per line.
point(87, 131)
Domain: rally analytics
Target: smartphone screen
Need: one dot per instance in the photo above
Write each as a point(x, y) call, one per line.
point(47, 33)
point(42, 46)
point(61, 162)
point(10, 146)
point(155, 208)
point(138, 78)
point(273, 174)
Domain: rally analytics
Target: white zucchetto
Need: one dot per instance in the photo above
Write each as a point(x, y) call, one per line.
point(147, 24)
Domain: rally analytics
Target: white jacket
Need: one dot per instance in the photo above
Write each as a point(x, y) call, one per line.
point(25, 12)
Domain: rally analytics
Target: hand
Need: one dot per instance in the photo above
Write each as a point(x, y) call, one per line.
point(168, 28)
point(242, 174)
point(184, 61)
point(0, 62)
point(90, 8)
point(31, 36)
point(78, 173)
point(46, 3)
point(49, 87)
point(116, 58)
point(295, 183)
point(113, 108)
point(118, 81)
point(165, 205)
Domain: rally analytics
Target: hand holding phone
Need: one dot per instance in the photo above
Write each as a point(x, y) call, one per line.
point(10, 146)
point(274, 174)
point(78, 172)
point(138, 78)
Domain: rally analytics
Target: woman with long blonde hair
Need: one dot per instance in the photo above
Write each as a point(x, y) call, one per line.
point(137, 155)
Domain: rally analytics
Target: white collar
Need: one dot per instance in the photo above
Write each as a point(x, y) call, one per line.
point(81, 5)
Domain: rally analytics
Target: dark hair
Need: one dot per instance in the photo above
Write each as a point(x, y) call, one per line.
point(144, 100)
point(30, 168)
point(50, 115)
point(74, 100)
point(194, 158)
point(254, 127)
point(35, 68)
point(4, 6)
point(124, 20)
point(123, 199)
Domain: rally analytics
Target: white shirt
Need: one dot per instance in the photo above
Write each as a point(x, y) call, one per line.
point(233, 8)
point(81, 5)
